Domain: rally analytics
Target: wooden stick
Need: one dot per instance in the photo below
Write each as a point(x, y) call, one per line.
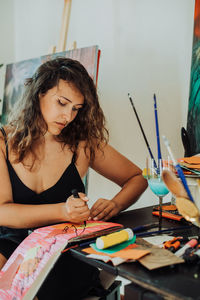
point(52, 49)
point(72, 46)
point(64, 26)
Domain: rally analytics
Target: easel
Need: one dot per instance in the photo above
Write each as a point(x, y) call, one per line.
point(64, 30)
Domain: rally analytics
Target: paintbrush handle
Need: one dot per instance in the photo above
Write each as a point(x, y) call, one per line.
point(183, 180)
point(178, 169)
point(141, 234)
point(157, 129)
point(142, 130)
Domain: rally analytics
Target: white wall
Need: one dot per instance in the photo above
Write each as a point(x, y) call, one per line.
point(146, 48)
point(7, 51)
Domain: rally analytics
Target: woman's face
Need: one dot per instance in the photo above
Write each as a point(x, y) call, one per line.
point(60, 105)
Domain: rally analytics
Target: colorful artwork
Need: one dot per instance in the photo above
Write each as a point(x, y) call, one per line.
point(193, 120)
point(26, 269)
point(16, 73)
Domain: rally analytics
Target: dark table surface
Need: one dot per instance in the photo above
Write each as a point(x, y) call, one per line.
point(181, 281)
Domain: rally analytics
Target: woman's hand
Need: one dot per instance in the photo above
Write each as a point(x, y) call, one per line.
point(104, 209)
point(76, 209)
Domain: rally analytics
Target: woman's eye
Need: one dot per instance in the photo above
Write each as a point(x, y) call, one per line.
point(75, 109)
point(61, 102)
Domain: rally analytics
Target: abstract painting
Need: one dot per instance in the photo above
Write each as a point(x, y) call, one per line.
point(193, 118)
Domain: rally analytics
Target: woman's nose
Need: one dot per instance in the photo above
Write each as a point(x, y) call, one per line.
point(67, 114)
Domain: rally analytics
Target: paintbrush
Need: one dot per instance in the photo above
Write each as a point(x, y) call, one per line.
point(178, 168)
point(157, 132)
point(142, 130)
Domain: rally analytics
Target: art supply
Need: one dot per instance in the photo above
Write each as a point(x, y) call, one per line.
point(144, 136)
point(192, 243)
point(178, 169)
point(76, 195)
point(168, 244)
point(189, 210)
point(144, 227)
point(157, 131)
point(173, 244)
point(167, 230)
point(116, 248)
point(115, 238)
point(173, 184)
point(135, 229)
point(168, 215)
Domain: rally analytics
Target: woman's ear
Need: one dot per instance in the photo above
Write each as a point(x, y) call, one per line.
point(40, 95)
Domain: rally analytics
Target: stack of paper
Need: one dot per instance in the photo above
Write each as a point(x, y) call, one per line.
point(190, 165)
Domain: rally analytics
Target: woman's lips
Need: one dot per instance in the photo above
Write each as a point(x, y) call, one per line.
point(61, 125)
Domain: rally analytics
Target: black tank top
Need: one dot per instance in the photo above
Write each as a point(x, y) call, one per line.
point(59, 192)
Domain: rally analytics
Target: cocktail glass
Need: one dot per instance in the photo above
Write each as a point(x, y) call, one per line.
point(156, 184)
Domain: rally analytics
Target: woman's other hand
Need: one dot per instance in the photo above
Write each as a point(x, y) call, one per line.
point(76, 209)
point(104, 209)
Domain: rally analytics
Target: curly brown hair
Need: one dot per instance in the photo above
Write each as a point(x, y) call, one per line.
point(26, 124)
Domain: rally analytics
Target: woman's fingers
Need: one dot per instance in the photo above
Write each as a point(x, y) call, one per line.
point(103, 209)
point(83, 196)
point(77, 209)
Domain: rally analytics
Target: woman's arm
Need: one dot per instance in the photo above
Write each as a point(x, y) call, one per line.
point(117, 168)
point(28, 216)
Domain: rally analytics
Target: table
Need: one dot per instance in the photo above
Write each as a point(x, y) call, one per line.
point(175, 282)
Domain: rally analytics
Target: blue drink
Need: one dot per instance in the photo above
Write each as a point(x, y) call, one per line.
point(158, 187)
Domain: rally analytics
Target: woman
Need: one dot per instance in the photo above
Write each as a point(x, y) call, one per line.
point(51, 139)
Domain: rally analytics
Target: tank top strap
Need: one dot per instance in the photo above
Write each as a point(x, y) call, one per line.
point(5, 138)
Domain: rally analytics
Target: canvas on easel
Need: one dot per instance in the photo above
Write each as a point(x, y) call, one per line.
point(16, 73)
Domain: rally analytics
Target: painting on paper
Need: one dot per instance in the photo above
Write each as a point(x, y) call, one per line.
point(28, 266)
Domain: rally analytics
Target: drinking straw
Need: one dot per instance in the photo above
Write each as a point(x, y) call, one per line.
point(144, 136)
